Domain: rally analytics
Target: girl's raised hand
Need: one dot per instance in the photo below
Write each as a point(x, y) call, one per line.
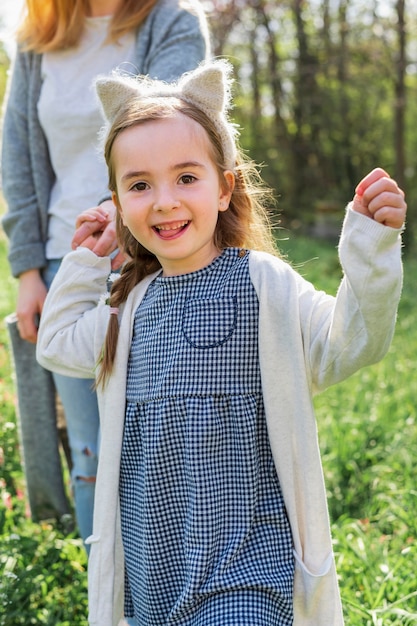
point(378, 196)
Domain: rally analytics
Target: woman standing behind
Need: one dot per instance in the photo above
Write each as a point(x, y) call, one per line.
point(51, 172)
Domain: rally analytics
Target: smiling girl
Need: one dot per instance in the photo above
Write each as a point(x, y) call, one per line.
point(171, 204)
point(210, 506)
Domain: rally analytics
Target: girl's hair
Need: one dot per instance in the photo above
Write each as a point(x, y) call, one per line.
point(58, 24)
point(245, 224)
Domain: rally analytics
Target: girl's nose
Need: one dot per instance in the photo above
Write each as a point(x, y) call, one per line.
point(165, 200)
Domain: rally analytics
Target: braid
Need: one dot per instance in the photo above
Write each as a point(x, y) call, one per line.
point(132, 273)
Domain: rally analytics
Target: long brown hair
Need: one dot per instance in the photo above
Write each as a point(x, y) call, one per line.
point(58, 24)
point(245, 224)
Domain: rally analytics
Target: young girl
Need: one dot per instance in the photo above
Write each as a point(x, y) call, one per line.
point(210, 505)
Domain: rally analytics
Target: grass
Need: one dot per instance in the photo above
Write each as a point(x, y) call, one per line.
point(368, 439)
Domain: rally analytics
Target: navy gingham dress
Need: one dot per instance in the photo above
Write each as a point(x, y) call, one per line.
point(205, 532)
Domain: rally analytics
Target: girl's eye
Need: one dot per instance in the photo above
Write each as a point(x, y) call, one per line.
point(186, 179)
point(139, 186)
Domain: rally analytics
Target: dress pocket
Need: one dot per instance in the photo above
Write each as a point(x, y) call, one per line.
point(209, 323)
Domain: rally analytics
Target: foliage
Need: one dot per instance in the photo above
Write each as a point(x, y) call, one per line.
point(43, 574)
point(4, 65)
point(320, 97)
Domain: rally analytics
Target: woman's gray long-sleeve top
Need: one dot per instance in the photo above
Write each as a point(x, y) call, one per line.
point(172, 40)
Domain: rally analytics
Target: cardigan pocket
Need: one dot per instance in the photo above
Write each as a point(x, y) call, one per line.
point(209, 323)
point(316, 594)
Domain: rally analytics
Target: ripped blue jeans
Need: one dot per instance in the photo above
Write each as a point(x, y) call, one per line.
point(82, 418)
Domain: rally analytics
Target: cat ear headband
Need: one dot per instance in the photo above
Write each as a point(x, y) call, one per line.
point(207, 87)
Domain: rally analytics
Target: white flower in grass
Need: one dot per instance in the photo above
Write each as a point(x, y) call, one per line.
point(104, 298)
point(112, 277)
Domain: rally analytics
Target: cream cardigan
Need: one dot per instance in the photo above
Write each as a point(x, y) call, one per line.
point(307, 341)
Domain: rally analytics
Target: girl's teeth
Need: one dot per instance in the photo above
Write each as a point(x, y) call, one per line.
point(175, 227)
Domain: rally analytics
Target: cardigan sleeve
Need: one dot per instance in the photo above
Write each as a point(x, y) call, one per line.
point(354, 329)
point(329, 338)
point(73, 322)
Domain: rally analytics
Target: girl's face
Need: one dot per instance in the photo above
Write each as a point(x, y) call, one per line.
point(168, 191)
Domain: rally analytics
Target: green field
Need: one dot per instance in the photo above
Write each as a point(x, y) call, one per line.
point(368, 437)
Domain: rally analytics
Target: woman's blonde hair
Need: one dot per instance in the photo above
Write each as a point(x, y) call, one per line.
point(58, 24)
point(245, 224)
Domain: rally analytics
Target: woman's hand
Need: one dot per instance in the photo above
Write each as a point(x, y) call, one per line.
point(30, 298)
point(96, 230)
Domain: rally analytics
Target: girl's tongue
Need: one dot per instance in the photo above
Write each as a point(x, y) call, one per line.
point(170, 231)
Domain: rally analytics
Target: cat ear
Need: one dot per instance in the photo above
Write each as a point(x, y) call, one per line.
point(208, 86)
point(113, 91)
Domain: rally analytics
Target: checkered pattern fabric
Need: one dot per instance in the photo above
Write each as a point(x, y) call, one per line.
point(205, 532)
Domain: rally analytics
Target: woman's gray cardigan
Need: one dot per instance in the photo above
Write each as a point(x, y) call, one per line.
point(307, 341)
point(172, 40)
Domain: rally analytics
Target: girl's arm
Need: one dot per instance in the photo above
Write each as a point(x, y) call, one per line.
point(74, 318)
point(322, 339)
point(356, 328)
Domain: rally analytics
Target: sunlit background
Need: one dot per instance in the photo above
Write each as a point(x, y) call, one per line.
point(9, 14)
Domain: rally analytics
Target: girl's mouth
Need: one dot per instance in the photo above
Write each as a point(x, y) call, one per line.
point(170, 231)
